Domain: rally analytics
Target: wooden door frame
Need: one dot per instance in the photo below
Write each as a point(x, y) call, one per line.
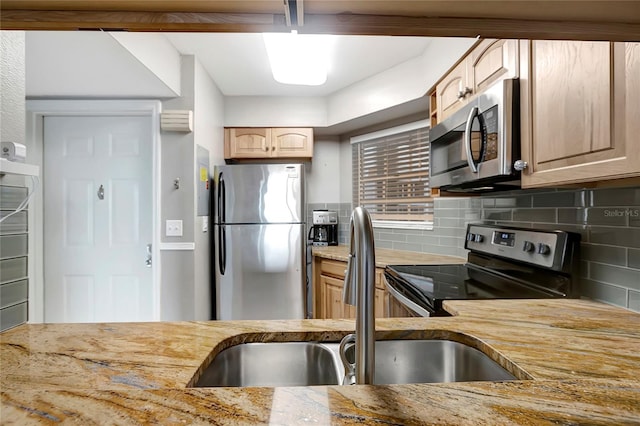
point(36, 110)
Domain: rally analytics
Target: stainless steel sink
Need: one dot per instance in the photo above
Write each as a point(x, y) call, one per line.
point(314, 363)
point(432, 361)
point(273, 364)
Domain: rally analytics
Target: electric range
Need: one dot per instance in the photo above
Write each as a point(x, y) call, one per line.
point(503, 263)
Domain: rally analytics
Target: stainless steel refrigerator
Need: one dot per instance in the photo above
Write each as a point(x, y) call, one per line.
point(259, 241)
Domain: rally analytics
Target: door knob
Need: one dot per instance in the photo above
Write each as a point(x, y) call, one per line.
point(101, 192)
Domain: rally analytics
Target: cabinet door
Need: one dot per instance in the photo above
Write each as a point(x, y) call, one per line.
point(332, 306)
point(380, 304)
point(248, 143)
point(493, 60)
point(569, 133)
point(449, 91)
point(292, 142)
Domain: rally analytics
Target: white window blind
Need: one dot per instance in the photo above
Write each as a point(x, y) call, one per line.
point(391, 175)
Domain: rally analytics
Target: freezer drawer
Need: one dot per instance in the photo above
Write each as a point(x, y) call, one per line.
point(260, 271)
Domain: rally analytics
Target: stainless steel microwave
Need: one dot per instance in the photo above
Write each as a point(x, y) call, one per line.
point(475, 148)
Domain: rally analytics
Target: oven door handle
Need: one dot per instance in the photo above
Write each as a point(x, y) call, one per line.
point(412, 306)
point(467, 139)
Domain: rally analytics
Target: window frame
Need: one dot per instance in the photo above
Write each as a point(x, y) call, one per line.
point(356, 173)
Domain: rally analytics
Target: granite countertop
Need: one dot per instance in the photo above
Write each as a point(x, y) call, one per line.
point(583, 359)
point(386, 257)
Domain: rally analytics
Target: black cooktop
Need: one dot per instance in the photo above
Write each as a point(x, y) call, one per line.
point(429, 285)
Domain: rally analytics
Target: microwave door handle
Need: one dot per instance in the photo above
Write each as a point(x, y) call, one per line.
point(467, 139)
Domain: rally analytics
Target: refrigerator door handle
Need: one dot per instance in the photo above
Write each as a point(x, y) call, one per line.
point(222, 252)
point(221, 196)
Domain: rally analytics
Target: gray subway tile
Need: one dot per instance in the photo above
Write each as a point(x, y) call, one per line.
point(447, 203)
point(616, 197)
point(633, 258)
point(634, 300)
point(390, 236)
point(583, 230)
point(626, 277)
point(535, 215)
point(561, 199)
point(497, 214)
point(447, 222)
point(430, 240)
point(407, 246)
point(383, 244)
point(449, 213)
point(451, 242)
point(415, 238)
point(449, 251)
point(624, 237)
point(604, 292)
point(591, 216)
point(610, 255)
point(522, 201)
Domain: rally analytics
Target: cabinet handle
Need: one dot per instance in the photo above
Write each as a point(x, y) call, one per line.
point(465, 92)
point(273, 148)
point(266, 148)
point(520, 165)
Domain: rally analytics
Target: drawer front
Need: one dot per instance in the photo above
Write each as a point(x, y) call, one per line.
point(333, 268)
point(12, 316)
point(13, 269)
point(13, 293)
point(13, 246)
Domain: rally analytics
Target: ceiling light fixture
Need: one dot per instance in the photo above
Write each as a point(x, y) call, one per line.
point(301, 59)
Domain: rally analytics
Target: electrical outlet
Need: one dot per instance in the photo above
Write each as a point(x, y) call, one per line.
point(173, 228)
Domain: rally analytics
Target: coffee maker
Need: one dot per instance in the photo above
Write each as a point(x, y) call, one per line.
point(324, 231)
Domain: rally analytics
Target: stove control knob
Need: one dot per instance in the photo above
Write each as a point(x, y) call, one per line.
point(528, 246)
point(479, 238)
point(544, 249)
point(471, 236)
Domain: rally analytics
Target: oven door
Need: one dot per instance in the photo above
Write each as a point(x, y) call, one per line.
point(479, 143)
point(401, 303)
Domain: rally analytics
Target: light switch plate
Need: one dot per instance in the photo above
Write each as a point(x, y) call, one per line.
point(173, 228)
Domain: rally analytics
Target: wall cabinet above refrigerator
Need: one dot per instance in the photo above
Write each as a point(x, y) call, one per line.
point(268, 143)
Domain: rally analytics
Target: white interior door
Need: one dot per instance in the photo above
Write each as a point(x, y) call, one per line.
point(97, 218)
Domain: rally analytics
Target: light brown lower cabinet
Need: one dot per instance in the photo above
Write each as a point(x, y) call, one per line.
point(328, 283)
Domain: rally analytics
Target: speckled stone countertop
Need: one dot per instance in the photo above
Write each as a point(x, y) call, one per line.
point(582, 358)
point(386, 257)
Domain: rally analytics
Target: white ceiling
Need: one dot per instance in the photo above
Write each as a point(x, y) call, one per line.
point(239, 65)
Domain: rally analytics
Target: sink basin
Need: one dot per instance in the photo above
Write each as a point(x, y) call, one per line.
point(273, 364)
point(432, 361)
point(314, 363)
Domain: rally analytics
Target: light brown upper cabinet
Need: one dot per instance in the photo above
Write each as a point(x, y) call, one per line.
point(580, 108)
point(256, 143)
point(488, 62)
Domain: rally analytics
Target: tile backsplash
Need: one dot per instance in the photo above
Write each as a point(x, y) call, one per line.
point(607, 219)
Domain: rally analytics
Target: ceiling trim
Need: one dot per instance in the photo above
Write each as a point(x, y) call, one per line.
point(347, 24)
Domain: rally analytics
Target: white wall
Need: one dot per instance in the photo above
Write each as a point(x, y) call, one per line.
point(156, 53)
point(12, 86)
point(324, 178)
point(270, 111)
point(209, 133)
point(405, 82)
point(88, 64)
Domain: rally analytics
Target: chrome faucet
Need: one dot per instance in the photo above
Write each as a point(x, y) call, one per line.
point(359, 290)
